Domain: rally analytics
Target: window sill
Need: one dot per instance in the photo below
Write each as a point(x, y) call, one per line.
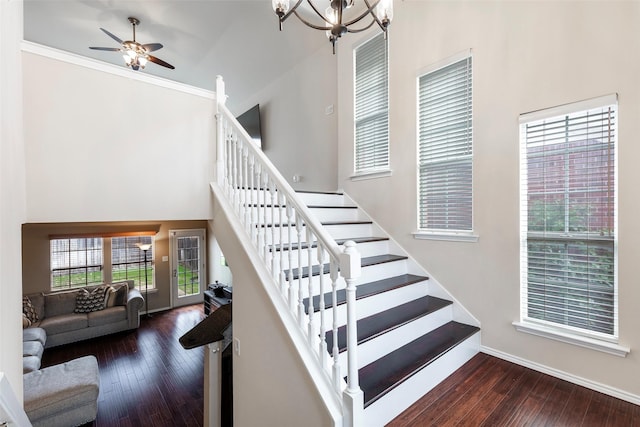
point(371, 175)
point(451, 237)
point(554, 334)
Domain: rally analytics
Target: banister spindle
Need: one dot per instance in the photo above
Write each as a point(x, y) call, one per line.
point(246, 193)
point(240, 176)
point(335, 351)
point(260, 223)
point(290, 225)
point(265, 199)
point(253, 233)
point(274, 200)
point(229, 151)
point(299, 229)
point(311, 326)
point(234, 161)
point(282, 201)
point(322, 348)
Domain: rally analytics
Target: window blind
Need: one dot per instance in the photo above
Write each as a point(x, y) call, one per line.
point(445, 148)
point(371, 106)
point(568, 220)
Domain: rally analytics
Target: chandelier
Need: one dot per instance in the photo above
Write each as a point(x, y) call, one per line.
point(334, 21)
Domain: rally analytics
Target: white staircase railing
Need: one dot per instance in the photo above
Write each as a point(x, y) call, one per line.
point(279, 224)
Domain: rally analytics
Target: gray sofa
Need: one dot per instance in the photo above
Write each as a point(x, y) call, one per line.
point(57, 314)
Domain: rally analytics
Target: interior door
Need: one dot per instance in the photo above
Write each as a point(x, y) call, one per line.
point(188, 266)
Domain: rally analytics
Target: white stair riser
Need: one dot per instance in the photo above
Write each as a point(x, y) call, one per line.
point(338, 214)
point(319, 199)
point(386, 343)
point(369, 274)
point(346, 231)
point(406, 394)
point(366, 250)
point(369, 306)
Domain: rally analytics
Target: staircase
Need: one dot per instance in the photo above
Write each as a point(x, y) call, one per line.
point(409, 338)
point(334, 270)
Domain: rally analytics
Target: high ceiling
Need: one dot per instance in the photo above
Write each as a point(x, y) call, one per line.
point(237, 39)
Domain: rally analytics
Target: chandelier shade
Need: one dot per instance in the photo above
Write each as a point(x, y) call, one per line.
point(339, 17)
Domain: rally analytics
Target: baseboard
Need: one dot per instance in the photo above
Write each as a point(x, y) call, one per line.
point(593, 385)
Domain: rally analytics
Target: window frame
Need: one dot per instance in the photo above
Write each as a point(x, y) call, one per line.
point(106, 266)
point(547, 328)
point(69, 267)
point(458, 235)
point(139, 260)
point(384, 169)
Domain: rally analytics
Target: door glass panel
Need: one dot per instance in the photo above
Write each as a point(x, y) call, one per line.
point(188, 273)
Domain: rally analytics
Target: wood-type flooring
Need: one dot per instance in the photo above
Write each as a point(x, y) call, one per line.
point(148, 379)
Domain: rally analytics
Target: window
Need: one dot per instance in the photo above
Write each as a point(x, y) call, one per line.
point(372, 106)
point(128, 260)
point(445, 151)
point(76, 262)
point(568, 218)
point(86, 261)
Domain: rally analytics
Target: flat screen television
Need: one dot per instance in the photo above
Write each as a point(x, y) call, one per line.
point(250, 120)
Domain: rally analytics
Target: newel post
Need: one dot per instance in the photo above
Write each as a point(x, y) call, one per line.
point(353, 396)
point(221, 98)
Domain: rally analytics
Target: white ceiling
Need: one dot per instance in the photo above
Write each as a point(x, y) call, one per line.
point(237, 39)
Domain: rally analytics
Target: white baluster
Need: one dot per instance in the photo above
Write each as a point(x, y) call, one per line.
point(234, 160)
point(292, 295)
point(246, 193)
point(265, 193)
point(259, 228)
point(300, 285)
point(253, 232)
point(282, 200)
point(322, 349)
point(353, 397)
point(229, 151)
point(310, 310)
point(335, 351)
point(274, 253)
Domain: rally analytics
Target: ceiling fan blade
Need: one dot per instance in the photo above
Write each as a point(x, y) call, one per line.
point(160, 62)
point(152, 46)
point(110, 49)
point(111, 35)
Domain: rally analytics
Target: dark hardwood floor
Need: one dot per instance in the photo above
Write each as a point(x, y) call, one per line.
point(488, 391)
point(148, 379)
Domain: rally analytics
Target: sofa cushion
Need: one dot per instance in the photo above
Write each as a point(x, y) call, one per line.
point(64, 323)
point(25, 321)
point(32, 348)
point(86, 301)
point(29, 310)
point(64, 394)
point(108, 315)
point(30, 364)
point(59, 303)
point(34, 334)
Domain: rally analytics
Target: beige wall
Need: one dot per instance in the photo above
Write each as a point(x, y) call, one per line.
point(12, 191)
point(526, 56)
point(36, 261)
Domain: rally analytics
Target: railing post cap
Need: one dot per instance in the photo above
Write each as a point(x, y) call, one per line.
point(350, 260)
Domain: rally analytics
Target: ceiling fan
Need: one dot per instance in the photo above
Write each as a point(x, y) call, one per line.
point(135, 55)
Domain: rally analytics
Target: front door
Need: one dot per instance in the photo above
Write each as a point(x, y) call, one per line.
point(188, 269)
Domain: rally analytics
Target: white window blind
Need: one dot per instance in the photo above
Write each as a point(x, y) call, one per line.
point(568, 220)
point(371, 106)
point(445, 148)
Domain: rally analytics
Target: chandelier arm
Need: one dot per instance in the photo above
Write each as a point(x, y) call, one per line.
point(315, 9)
point(349, 30)
point(375, 17)
point(309, 24)
point(291, 11)
point(365, 13)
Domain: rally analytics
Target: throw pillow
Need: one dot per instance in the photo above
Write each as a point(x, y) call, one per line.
point(121, 295)
point(110, 297)
point(29, 310)
point(87, 302)
point(25, 321)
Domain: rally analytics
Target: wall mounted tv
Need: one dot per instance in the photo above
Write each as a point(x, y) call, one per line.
point(250, 120)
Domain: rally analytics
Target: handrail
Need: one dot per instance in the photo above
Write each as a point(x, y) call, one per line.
point(277, 221)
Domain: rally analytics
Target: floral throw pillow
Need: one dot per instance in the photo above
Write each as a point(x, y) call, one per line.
point(29, 310)
point(87, 302)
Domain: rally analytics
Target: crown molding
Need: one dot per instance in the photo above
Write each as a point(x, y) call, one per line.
point(93, 64)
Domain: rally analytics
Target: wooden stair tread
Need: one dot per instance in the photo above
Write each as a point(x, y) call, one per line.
point(324, 223)
point(377, 324)
point(304, 245)
point(386, 373)
point(365, 290)
point(365, 262)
